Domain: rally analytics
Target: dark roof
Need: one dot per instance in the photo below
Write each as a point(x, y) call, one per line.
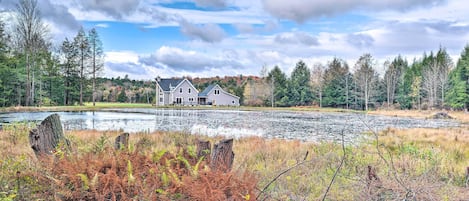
point(205, 92)
point(166, 83)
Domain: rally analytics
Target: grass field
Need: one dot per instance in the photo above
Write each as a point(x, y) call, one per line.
point(420, 164)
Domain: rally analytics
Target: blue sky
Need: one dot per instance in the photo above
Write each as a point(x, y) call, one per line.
point(204, 38)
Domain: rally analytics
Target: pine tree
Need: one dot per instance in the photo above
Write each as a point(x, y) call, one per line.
point(83, 48)
point(277, 80)
point(97, 58)
point(337, 84)
point(458, 93)
point(300, 87)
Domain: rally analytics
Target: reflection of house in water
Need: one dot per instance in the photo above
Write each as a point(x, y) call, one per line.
point(169, 119)
point(182, 92)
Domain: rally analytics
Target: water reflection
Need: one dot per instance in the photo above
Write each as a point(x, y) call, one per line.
point(310, 126)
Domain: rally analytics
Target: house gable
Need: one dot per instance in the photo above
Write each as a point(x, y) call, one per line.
point(169, 84)
point(215, 95)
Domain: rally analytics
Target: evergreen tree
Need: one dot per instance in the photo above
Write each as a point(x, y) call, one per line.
point(70, 71)
point(277, 80)
point(97, 58)
point(122, 97)
point(458, 93)
point(83, 48)
point(337, 84)
point(300, 87)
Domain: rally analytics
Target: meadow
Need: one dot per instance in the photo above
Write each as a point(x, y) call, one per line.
point(424, 164)
point(395, 164)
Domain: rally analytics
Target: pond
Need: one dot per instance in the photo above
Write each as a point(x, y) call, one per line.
point(306, 126)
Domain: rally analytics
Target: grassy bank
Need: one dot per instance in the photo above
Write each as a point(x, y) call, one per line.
point(426, 164)
point(105, 105)
point(458, 115)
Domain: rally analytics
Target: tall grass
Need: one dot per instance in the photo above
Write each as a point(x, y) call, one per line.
point(423, 164)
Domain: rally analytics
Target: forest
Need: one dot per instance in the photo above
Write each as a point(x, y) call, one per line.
point(33, 72)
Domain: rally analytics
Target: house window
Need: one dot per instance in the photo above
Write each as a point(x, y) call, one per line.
point(178, 100)
point(232, 102)
point(161, 99)
point(217, 91)
point(191, 99)
point(180, 90)
point(189, 90)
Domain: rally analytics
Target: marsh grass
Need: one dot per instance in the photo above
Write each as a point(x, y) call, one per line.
point(458, 115)
point(424, 164)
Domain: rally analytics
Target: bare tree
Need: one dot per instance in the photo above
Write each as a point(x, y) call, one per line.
point(430, 81)
point(317, 80)
point(366, 77)
point(391, 78)
point(445, 64)
point(97, 57)
point(30, 32)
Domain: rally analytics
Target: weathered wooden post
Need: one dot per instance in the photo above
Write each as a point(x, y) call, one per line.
point(121, 141)
point(222, 156)
point(47, 136)
point(203, 148)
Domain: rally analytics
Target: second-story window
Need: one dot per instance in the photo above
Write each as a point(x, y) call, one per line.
point(189, 90)
point(180, 90)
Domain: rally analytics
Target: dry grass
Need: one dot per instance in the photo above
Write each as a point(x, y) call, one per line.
point(425, 164)
point(458, 115)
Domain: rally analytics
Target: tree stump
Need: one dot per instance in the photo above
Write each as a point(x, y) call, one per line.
point(222, 156)
point(121, 141)
point(203, 148)
point(47, 136)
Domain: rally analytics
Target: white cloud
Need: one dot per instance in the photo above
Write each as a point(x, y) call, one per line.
point(102, 25)
point(300, 38)
point(191, 61)
point(205, 32)
point(302, 10)
point(114, 8)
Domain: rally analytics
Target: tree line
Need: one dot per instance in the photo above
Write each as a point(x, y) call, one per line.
point(432, 81)
point(34, 72)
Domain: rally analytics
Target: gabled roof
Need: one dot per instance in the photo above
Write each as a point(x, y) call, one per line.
point(207, 90)
point(210, 88)
point(166, 84)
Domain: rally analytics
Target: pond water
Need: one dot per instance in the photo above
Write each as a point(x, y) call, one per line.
point(307, 126)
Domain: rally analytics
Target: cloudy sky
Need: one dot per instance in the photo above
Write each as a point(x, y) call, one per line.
point(203, 38)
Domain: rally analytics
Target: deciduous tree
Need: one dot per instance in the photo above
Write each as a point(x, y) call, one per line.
point(366, 78)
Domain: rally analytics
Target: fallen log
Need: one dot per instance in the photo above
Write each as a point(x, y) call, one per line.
point(48, 136)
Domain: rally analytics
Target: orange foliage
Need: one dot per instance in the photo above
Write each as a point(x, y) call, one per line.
point(125, 175)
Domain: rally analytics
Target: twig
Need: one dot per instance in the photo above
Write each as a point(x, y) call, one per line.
point(389, 164)
point(283, 172)
point(338, 168)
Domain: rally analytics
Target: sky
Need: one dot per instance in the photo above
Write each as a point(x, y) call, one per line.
point(204, 38)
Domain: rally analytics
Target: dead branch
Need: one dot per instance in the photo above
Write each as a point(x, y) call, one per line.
point(282, 173)
point(338, 168)
point(389, 164)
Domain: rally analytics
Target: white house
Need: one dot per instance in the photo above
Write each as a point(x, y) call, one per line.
point(215, 95)
point(175, 92)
